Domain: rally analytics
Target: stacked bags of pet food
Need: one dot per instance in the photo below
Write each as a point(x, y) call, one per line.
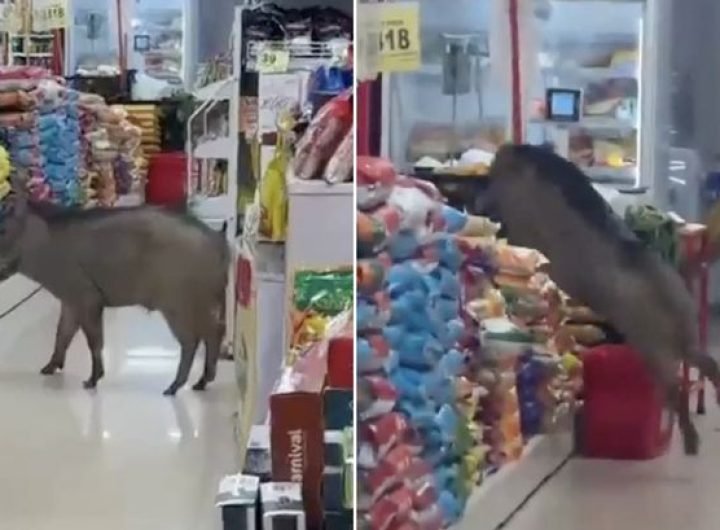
point(525, 363)
point(325, 150)
point(18, 122)
point(421, 454)
point(114, 163)
point(5, 185)
point(59, 142)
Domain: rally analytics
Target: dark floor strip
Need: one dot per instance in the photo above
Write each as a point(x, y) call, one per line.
point(21, 302)
point(534, 492)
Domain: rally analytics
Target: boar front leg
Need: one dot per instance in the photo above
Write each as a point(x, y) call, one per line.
point(67, 328)
point(92, 326)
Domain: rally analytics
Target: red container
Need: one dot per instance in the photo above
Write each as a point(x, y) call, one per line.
point(167, 179)
point(624, 417)
point(341, 353)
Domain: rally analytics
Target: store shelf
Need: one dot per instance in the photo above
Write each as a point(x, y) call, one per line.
point(592, 73)
point(219, 90)
point(211, 209)
point(302, 56)
point(621, 175)
point(495, 501)
point(592, 122)
point(298, 186)
point(214, 149)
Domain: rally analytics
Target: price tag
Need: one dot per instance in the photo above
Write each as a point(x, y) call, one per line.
point(7, 18)
point(273, 61)
point(49, 14)
point(400, 49)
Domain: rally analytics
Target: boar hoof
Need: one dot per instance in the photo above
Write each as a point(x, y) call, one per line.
point(51, 368)
point(200, 385)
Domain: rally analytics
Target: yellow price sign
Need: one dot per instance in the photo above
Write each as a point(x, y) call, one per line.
point(49, 14)
point(273, 61)
point(400, 49)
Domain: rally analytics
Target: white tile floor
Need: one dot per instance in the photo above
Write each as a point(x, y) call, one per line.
point(671, 493)
point(123, 458)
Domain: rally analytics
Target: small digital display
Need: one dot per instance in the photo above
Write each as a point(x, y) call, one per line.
point(563, 104)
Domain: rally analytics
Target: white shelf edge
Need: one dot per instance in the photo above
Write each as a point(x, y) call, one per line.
point(496, 500)
point(296, 186)
point(219, 90)
point(214, 149)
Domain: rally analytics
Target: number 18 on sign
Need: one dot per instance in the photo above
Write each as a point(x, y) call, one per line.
point(400, 37)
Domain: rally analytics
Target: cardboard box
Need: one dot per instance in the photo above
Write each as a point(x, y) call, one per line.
point(297, 430)
point(237, 498)
point(297, 424)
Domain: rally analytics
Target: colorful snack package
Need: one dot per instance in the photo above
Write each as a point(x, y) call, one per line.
point(376, 397)
point(320, 140)
point(374, 354)
point(392, 509)
point(371, 234)
point(384, 433)
point(391, 471)
point(340, 165)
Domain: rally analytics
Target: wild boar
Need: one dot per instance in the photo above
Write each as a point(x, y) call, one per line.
point(547, 203)
point(105, 258)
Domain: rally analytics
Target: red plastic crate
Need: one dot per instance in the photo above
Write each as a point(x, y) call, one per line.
point(167, 179)
point(624, 417)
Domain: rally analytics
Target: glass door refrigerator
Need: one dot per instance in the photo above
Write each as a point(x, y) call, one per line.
point(600, 88)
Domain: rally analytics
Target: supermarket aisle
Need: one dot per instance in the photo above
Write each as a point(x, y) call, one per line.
point(667, 494)
point(123, 458)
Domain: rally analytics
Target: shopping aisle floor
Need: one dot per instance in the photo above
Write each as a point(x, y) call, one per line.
point(670, 493)
point(122, 458)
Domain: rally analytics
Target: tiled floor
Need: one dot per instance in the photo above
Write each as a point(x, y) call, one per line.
point(672, 493)
point(122, 458)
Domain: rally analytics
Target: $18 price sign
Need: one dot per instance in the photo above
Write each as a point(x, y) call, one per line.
point(399, 37)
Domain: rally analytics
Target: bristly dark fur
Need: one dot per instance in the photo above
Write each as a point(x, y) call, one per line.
point(55, 214)
point(577, 189)
point(160, 259)
point(546, 203)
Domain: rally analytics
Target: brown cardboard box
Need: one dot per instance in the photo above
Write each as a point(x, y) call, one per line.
point(297, 427)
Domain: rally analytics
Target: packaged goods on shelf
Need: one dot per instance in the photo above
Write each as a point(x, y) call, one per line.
point(74, 149)
point(320, 142)
point(457, 366)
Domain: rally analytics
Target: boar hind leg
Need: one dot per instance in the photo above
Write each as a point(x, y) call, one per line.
point(677, 400)
point(213, 345)
point(67, 328)
point(92, 326)
point(183, 327)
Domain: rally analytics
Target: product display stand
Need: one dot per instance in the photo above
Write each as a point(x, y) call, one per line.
point(320, 218)
point(219, 212)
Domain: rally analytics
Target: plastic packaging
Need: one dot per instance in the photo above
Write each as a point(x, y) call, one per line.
point(321, 139)
point(340, 165)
